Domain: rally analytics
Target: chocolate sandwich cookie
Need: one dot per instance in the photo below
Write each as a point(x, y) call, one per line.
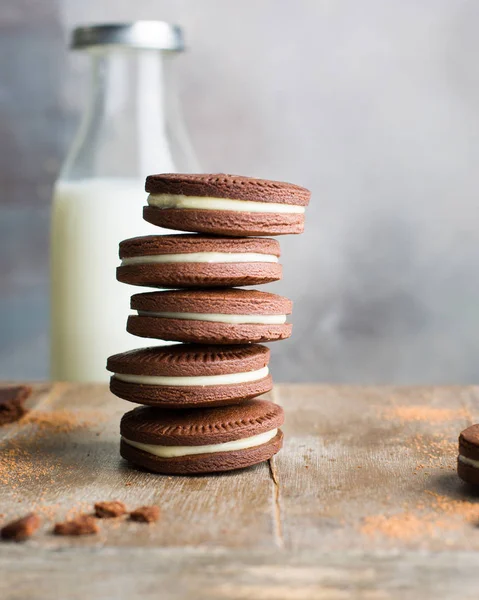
point(202, 440)
point(468, 459)
point(190, 261)
point(185, 375)
point(225, 204)
point(229, 316)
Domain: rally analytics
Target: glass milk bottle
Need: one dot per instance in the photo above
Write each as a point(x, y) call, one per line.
point(131, 128)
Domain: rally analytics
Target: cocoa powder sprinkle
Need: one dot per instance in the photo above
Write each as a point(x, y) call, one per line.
point(444, 514)
point(61, 421)
point(21, 460)
point(425, 413)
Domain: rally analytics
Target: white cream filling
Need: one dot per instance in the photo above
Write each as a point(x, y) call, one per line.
point(226, 379)
point(202, 257)
point(469, 461)
point(174, 451)
point(218, 318)
point(207, 203)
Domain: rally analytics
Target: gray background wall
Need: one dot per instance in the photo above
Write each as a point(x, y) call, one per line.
point(373, 105)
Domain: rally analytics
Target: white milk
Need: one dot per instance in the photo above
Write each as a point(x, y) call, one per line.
point(89, 308)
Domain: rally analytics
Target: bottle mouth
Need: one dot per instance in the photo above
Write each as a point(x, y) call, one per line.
point(147, 35)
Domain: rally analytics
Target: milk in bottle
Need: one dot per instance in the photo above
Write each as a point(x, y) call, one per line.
point(131, 128)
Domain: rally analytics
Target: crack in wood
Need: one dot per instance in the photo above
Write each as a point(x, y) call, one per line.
point(276, 492)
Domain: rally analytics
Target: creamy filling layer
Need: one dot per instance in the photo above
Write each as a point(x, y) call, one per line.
point(218, 318)
point(174, 451)
point(469, 461)
point(204, 380)
point(202, 257)
point(207, 203)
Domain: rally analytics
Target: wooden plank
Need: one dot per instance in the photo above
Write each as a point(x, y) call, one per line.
point(67, 458)
point(363, 502)
point(183, 574)
point(375, 468)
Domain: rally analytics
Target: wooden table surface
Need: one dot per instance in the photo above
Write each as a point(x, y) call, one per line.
point(362, 502)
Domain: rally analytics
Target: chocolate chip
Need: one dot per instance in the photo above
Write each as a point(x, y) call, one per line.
point(145, 514)
point(82, 525)
point(109, 510)
point(21, 529)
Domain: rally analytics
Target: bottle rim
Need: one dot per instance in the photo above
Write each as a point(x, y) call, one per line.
point(151, 35)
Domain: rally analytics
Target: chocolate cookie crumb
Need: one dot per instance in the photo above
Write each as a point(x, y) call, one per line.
point(12, 401)
point(109, 510)
point(82, 525)
point(21, 529)
point(145, 514)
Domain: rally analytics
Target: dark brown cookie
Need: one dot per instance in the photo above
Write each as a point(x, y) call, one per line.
point(221, 185)
point(468, 459)
point(225, 204)
point(228, 316)
point(12, 400)
point(20, 529)
point(210, 261)
point(184, 375)
point(202, 440)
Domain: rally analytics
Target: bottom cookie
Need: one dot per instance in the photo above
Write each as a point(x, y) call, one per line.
point(202, 440)
point(202, 463)
point(468, 473)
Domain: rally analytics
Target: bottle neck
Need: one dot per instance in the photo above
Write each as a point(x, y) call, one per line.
point(131, 125)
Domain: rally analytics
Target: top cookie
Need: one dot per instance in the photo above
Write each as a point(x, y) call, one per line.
point(225, 204)
point(228, 186)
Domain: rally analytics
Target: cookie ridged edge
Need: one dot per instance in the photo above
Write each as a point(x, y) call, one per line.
point(222, 185)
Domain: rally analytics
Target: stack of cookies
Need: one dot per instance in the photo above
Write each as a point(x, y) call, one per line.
point(201, 413)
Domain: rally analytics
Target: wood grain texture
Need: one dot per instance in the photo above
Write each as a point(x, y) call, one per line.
point(363, 502)
point(361, 467)
point(186, 574)
point(67, 472)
